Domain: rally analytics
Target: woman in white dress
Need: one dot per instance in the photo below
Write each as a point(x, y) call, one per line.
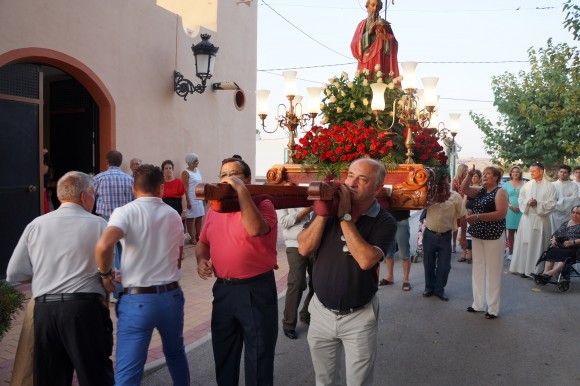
point(194, 216)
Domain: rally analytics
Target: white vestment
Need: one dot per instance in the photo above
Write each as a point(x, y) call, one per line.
point(568, 196)
point(535, 229)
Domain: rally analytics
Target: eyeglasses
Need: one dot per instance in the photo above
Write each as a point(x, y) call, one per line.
point(231, 173)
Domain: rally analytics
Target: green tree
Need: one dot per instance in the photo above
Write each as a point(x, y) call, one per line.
point(539, 110)
point(572, 18)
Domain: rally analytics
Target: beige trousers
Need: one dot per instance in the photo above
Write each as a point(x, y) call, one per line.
point(22, 372)
point(355, 334)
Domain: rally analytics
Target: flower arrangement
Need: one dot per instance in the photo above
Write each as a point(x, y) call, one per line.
point(353, 131)
point(333, 148)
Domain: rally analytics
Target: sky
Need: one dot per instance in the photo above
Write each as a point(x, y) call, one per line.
point(427, 31)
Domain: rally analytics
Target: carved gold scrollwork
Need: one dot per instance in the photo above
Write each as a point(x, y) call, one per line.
point(275, 174)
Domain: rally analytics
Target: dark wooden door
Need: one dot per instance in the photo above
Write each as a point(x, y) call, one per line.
point(19, 148)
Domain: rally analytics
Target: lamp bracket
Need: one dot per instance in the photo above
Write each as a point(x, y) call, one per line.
point(225, 86)
point(183, 86)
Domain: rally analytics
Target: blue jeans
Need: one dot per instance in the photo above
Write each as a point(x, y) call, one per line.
point(138, 316)
point(436, 260)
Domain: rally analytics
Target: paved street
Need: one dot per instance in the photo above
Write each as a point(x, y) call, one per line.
point(535, 341)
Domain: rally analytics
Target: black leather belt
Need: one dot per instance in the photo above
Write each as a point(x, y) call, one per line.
point(154, 289)
point(243, 281)
point(439, 233)
point(348, 311)
point(64, 297)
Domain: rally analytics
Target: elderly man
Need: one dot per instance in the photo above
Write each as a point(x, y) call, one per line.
point(348, 247)
point(134, 164)
point(568, 196)
point(152, 237)
point(440, 221)
point(239, 248)
point(536, 201)
point(72, 327)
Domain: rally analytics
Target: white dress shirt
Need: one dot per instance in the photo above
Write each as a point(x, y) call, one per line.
point(57, 251)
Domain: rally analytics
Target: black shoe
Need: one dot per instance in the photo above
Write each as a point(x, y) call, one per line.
point(442, 297)
point(291, 334)
point(471, 309)
point(523, 275)
point(490, 316)
point(427, 293)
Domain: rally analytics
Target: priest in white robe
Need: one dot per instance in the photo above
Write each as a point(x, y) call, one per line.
point(537, 200)
point(567, 196)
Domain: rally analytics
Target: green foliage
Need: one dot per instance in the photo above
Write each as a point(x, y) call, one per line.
point(11, 301)
point(539, 110)
point(347, 100)
point(572, 18)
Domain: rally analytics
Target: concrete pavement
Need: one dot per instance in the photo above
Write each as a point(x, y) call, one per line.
point(424, 341)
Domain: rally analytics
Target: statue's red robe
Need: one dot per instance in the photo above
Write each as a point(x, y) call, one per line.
point(375, 53)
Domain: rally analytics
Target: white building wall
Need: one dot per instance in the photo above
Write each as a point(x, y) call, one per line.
point(134, 46)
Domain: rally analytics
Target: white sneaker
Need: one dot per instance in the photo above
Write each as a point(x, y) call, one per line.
point(187, 237)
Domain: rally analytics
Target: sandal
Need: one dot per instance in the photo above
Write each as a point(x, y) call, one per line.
point(386, 282)
point(406, 286)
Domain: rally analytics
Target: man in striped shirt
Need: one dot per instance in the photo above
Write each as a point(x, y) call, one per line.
point(113, 189)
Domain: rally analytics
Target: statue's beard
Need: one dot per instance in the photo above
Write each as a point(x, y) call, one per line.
point(371, 19)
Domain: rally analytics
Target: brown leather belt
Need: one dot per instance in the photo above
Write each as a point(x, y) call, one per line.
point(154, 289)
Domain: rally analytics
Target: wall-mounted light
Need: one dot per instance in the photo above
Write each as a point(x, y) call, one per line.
point(204, 53)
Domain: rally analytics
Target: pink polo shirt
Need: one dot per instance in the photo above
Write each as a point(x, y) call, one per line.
point(234, 253)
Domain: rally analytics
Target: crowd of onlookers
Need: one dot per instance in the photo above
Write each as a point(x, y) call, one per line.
point(137, 237)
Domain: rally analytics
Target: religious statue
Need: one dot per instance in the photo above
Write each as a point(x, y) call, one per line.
point(374, 42)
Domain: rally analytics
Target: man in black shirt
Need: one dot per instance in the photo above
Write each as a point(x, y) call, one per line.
point(348, 248)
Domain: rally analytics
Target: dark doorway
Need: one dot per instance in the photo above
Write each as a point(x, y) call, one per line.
point(40, 107)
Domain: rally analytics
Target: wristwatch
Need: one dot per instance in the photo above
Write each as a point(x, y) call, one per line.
point(346, 217)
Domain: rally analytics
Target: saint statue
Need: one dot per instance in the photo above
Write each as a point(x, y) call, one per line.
point(374, 42)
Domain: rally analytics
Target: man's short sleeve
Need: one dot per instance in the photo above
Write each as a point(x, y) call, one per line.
point(206, 223)
point(119, 219)
point(268, 212)
point(383, 233)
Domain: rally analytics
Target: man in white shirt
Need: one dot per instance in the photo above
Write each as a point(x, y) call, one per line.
point(72, 327)
point(567, 195)
point(151, 233)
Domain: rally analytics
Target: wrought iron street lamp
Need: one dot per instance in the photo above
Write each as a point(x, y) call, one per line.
point(204, 53)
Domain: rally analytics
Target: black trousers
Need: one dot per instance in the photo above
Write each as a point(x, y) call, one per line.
point(72, 335)
point(245, 315)
point(298, 267)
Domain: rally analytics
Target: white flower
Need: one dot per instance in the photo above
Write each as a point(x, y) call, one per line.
point(336, 84)
point(365, 82)
point(339, 110)
point(332, 99)
point(352, 105)
point(349, 84)
point(366, 71)
point(327, 92)
point(391, 86)
point(379, 74)
point(324, 120)
point(322, 105)
point(344, 75)
point(365, 102)
point(377, 67)
point(398, 79)
point(342, 94)
point(391, 113)
point(380, 80)
point(356, 73)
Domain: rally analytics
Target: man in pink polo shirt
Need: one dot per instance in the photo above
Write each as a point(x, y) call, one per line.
point(239, 248)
